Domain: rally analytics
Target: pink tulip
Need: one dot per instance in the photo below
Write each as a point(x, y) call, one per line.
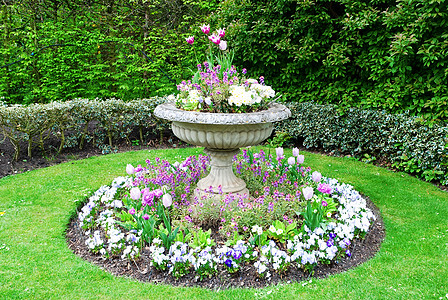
point(215, 39)
point(279, 152)
point(291, 161)
point(130, 169)
point(135, 193)
point(205, 28)
point(223, 45)
point(132, 211)
point(167, 200)
point(295, 152)
point(316, 176)
point(221, 32)
point(146, 217)
point(308, 193)
point(190, 40)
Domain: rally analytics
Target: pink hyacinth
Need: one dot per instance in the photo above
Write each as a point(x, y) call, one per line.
point(190, 40)
point(221, 32)
point(325, 188)
point(205, 28)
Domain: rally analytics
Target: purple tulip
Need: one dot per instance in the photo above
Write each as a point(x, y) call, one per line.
point(300, 159)
point(146, 217)
point(316, 176)
point(132, 211)
point(308, 193)
point(190, 40)
point(324, 203)
point(135, 193)
point(295, 152)
point(205, 28)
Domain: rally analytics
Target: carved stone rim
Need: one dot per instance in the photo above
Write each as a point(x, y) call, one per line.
point(168, 111)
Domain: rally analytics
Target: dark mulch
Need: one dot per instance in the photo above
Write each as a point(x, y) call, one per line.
point(140, 269)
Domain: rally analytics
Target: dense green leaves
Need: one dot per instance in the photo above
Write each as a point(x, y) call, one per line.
point(380, 54)
point(100, 49)
point(410, 146)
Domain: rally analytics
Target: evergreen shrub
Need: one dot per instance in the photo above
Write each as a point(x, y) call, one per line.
point(404, 141)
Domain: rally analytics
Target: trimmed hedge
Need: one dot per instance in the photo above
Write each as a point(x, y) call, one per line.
point(410, 146)
point(77, 122)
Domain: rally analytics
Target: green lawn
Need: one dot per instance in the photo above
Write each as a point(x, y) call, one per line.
point(35, 262)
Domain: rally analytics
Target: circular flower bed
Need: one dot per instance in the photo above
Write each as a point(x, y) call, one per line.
point(294, 218)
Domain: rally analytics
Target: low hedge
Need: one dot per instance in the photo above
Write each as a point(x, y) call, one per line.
point(77, 122)
point(410, 146)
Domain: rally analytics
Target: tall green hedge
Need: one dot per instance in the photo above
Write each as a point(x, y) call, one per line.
point(90, 49)
point(381, 54)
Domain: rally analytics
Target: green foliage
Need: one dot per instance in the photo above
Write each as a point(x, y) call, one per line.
point(389, 54)
point(409, 145)
point(202, 239)
point(95, 49)
point(71, 122)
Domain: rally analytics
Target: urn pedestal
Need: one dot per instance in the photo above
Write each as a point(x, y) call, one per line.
point(222, 135)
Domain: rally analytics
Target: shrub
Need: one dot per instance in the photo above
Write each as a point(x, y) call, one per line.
point(71, 122)
point(409, 145)
point(388, 54)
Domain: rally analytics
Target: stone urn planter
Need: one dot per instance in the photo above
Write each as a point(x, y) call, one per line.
point(222, 134)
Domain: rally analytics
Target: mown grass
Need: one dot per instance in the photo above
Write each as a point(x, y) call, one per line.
point(35, 262)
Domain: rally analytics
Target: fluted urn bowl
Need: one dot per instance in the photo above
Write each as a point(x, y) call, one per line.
point(222, 134)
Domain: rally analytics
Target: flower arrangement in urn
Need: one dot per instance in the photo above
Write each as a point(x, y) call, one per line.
point(221, 87)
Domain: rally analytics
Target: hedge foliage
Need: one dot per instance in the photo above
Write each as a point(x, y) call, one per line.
point(409, 145)
point(383, 54)
point(89, 49)
point(77, 122)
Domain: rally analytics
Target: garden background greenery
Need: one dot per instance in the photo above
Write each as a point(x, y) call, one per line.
point(369, 76)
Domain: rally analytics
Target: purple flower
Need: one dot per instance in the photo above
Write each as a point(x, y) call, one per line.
point(244, 71)
point(237, 254)
point(228, 262)
point(324, 203)
point(316, 176)
point(330, 243)
point(324, 188)
point(132, 211)
point(300, 159)
point(308, 193)
point(348, 253)
point(146, 216)
point(214, 39)
point(295, 152)
point(332, 235)
point(190, 40)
